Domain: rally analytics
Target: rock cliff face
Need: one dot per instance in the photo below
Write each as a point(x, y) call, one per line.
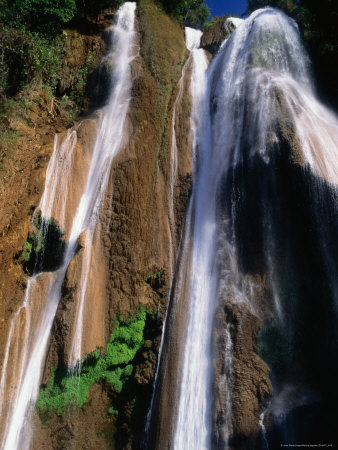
point(214, 35)
point(131, 243)
point(131, 270)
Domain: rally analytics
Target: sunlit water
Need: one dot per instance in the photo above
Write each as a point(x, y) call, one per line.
point(259, 81)
point(28, 335)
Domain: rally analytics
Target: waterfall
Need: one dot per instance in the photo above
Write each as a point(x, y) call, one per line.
point(31, 324)
point(254, 290)
point(192, 40)
point(261, 424)
point(193, 412)
point(108, 143)
point(226, 381)
point(255, 119)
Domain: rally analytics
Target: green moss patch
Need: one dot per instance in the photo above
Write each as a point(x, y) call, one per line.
point(114, 367)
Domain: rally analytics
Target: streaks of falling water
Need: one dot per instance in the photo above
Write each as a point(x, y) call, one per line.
point(43, 292)
point(262, 85)
point(193, 427)
point(265, 57)
point(227, 382)
point(108, 143)
point(263, 430)
point(263, 61)
point(193, 412)
point(16, 325)
point(29, 358)
point(59, 166)
point(192, 41)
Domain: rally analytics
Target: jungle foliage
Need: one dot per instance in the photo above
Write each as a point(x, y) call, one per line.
point(192, 13)
point(30, 44)
point(48, 16)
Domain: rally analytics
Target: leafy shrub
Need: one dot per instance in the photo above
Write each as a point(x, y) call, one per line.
point(113, 368)
point(113, 411)
point(26, 57)
point(154, 276)
point(26, 254)
point(47, 17)
point(44, 16)
point(192, 13)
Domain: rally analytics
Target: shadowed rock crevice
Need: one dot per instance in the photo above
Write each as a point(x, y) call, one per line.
point(44, 248)
point(277, 211)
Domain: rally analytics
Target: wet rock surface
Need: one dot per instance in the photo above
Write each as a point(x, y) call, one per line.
point(131, 248)
point(214, 35)
point(246, 379)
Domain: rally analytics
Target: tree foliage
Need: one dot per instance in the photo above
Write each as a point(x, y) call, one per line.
point(192, 13)
point(45, 16)
point(30, 43)
point(48, 16)
point(27, 56)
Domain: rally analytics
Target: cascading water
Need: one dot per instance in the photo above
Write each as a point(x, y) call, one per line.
point(258, 249)
point(31, 325)
point(261, 223)
point(108, 143)
point(275, 148)
point(194, 412)
point(226, 382)
point(192, 40)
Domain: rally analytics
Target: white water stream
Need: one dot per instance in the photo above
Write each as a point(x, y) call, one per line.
point(108, 143)
point(27, 344)
point(192, 41)
point(193, 411)
point(262, 61)
point(259, 78)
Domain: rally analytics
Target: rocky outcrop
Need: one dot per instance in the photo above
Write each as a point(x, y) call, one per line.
point(214, 35)
point(24, 159)
point(130, 268)
point(296, 344)
point(242, 380)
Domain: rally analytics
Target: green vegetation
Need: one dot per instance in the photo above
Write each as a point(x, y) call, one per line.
point(192, 13)
point(44, 249)
point(214, 20)
point(156, 280)
point(49, 16)
point(154, 276)
point(27, 251)
point(114, 367)
point(42, 15)
point(26, 57)
point(36, 58)
point(113, 411)
point(318, 23)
